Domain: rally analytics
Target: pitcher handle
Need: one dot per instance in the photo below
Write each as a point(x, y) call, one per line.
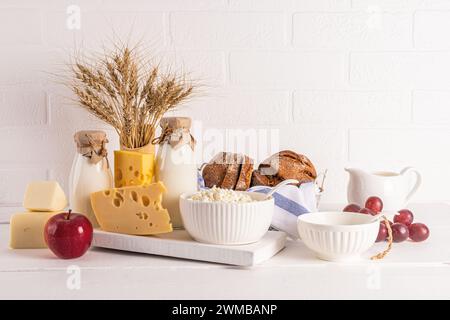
point(418, 181)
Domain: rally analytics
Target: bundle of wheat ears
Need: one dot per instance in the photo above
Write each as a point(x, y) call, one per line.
point(128, 93)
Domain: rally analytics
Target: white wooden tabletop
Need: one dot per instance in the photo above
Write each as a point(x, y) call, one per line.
point(411, 270)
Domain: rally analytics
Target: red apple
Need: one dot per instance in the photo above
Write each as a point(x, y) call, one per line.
point(68, 235)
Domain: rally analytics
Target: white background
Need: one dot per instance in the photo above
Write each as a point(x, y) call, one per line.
point(346, 82)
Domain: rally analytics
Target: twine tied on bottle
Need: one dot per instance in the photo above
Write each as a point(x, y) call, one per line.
point(175, 131)
point(92, 145)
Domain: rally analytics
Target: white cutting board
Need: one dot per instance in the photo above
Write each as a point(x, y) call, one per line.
point(179, 244)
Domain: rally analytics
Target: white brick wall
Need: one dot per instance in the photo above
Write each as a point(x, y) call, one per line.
point(431, 107)
point(288, 69)
point(227, 30)
point(397, 70)
point(352, 30)
point(28, 32)
point(96, 23)
point(338, 107)
point(346, 82)
point(19, 109)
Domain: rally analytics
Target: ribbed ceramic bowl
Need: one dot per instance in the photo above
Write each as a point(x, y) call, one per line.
point(338, 236)
point(227, 223)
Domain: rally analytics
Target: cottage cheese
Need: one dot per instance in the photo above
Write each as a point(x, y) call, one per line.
point(221, 195)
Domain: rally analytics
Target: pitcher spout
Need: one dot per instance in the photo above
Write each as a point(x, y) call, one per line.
point(357, 175)
point(356, 171)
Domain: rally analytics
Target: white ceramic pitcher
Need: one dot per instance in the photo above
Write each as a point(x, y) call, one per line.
point(393, 188)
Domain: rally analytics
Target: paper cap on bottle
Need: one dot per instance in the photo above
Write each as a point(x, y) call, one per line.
point(176, 122)
point(91, 144)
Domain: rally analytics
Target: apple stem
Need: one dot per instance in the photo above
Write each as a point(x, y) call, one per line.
point(68, 215)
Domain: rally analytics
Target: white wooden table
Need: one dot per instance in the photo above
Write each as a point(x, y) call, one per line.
point(412, 270)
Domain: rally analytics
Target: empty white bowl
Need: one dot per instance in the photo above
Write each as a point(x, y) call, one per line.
point(227, 223)
point(338, 236)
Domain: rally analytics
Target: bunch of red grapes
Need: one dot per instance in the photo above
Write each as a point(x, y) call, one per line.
point(402, 227)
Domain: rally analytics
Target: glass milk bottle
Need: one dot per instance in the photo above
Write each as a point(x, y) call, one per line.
point(175, 164)
point(90, 172)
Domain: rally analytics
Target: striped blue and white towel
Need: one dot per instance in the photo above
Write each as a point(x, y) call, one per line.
point(290, 202)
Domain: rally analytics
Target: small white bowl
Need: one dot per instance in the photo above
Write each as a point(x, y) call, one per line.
point(227, 223)
point(338, 236)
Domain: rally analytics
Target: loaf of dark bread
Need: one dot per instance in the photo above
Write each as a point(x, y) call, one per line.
point(282, 166)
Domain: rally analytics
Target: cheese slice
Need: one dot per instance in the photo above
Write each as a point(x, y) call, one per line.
point(27, 229)
point(133, 168)
point(132, 210)
point(44, 196)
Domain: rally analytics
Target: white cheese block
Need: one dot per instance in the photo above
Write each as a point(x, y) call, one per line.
point(27, 230)
point(44, 196)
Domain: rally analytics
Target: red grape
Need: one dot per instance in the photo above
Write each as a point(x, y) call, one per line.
point(400, 232)
point(375, 204)
point(352, 208)
point(404, 216)
point(367, 211)
point(418, 232)
point(382, 232)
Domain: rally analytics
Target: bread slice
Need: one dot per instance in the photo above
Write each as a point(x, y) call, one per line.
point(233, 161)
point(214, 172)
point(245, 174)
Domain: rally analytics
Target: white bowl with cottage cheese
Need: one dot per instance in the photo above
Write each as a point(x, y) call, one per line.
point(226, 217)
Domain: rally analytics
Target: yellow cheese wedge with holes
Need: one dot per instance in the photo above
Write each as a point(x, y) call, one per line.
point(132, 168)
point(132, 210)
